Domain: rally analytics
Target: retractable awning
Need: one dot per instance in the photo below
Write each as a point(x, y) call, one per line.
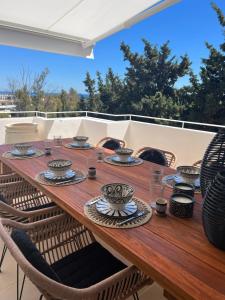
point(71, 26)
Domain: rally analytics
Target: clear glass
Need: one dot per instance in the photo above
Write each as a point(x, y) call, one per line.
point(100, 154)
point(48, 147)
point(156, 187)
point(57, 140)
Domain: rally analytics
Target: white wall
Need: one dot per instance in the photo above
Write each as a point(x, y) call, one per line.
point(188, 145)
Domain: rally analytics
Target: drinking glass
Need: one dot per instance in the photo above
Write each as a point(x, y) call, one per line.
point(156, 187)
point(100, 154)
point(58, 140)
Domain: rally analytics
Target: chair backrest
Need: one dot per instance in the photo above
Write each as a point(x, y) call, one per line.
point(111, 143)
point(197, 164)
point(158, 156)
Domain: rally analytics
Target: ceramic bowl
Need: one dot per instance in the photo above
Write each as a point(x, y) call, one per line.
point(80, 140)
point(23, 148)
point(117, 194)
point(59, 166)
point(188, 173)
point(124, 153)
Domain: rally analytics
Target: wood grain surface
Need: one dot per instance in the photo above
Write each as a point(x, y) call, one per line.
point(173, 251)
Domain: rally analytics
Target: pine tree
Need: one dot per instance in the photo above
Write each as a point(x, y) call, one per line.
point(209, 92)
point(94, 103)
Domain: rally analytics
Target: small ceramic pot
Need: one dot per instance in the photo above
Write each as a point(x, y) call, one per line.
point(124, 154)
point(80, 140)
point(161, 206)
point(92, 173)
point(181, 205)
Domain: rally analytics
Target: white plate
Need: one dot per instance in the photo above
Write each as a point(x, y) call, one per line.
point(16, 152)
point(75, 145)
point(104, 208)
point(49, 175)
point(118, 160)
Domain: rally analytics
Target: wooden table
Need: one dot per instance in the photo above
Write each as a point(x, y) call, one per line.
point(173, 251)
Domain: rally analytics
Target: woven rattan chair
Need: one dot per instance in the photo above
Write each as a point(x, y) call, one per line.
point(197, 164)
point(111, 143)
point(162, 157)
point(67, 263)
point(22, 202)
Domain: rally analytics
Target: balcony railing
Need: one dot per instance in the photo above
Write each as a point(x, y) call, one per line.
point(114, 117)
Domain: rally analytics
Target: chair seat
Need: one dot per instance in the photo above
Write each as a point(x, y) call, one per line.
point(87, 266)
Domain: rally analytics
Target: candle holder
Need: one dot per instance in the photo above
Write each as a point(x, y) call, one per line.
point(181, 205)
point(184, 188)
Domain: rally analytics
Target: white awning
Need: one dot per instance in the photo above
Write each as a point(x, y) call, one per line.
point(71, 26)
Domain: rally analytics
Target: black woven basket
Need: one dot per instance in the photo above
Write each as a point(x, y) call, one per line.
point(213, 160)
point(213, 212)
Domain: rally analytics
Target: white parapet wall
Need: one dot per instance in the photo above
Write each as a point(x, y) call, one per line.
point(188, 145)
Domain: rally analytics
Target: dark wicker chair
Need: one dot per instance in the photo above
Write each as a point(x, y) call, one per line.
point(158, 156)
point(65, 262)
point(111, 143)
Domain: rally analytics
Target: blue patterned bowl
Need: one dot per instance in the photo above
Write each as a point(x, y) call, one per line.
point(117, 194)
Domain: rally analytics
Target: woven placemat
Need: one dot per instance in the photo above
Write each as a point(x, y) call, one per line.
point(77, 179)
point(9, 155)
point(92, 213)
point(78, 148)
point(137, 161)
point(169, 181)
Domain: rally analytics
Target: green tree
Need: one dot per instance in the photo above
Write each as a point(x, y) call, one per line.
point(209, 91)
point(64, 99)
point(94, 103)
point(38, 86)
point(73, 100)
point(151, 74)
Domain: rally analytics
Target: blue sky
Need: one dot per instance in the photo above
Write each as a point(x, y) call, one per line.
point(187, 25)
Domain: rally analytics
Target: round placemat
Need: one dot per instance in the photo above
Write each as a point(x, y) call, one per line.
point(77, 179)
point(137, 161)
point(78, 148)
point(169, 181)
point(9, 155)
point(112, 222)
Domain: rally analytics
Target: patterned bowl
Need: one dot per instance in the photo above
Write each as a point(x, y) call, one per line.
point(117, 194)
point(59, 166)
point(188, 173)
point(124, 153)
point(23, 147)
point(80, 140)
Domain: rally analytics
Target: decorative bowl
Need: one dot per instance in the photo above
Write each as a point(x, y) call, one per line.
point(124, 153)
point(80, 140)
point(188, 173)
point(117, 194)
point(59, 166)
point(22, 148)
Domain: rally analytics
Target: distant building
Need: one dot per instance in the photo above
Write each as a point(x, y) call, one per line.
point(7, 101)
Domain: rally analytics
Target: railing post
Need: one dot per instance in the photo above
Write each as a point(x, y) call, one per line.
point(182, 124)
point(86, 113)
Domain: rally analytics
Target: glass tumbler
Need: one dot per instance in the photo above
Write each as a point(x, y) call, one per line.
point(156, 187)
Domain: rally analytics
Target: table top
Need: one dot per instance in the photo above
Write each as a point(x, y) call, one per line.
point(173, 251)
